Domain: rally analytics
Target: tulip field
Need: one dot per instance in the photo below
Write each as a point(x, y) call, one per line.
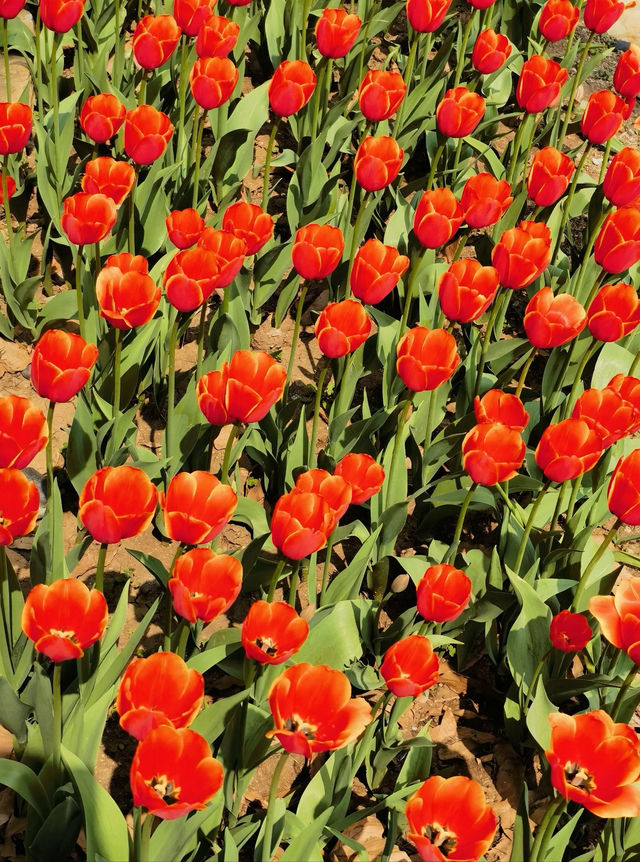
point(319, 431)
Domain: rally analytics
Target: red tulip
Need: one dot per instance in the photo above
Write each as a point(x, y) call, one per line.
point(363, 474)
point(549, 176)
point(614, 312)
point(11, 189)
point(619, 617)
point(101, 117)
point(490, 51)
point(334, 490)
point(250, 223)
point(342, 327)
point(300, 523)
point(336, 32)
point(502, 407)
point(190, 15)
point(204, 584)
point(154, 40)
point(23, 431)
point(291, 87)
point(380, 94)
point(485, 200)
point(158, 690)
point(626, 77)
point(60, 15)
point(377, 162)
point(492, 453)
point(173, 773)
point(377, 269)
point(608, 414)
point(126, 293)
point(426, 358)
point(426, 16)
point(108, 177)
point(88, 218)
point(217, 37)
point(570, 632)
point(230, 251)
point(410, 666)
point(442, 593)
point(146, 134)
point(557, 19)
point(459, 112)
point(467, 289)
point(184, 227)
point(273, 632)
point(550, 321)
point(313, 710)
point(617, 245)
point(65, 618)
point(117, 503)
point(61, 364)
point(196, 507)
point(10, 8)
point(628, 388)
point(621, 184)
point(623, 493)
point(567, 449)
point(601, 15)
point(190, 278)
point(458, 803)
point(437, 218)
point(595, 762)
point(539, 84)
point(522, 254)
point(212, 81)
point(317, 250)
point(19, 504)
point(603, 116)
point(243, 390)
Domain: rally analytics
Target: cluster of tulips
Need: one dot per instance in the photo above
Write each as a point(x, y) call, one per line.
point(420, 277)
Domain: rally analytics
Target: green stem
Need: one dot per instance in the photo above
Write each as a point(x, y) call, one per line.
point(586, 254)
point(574, 88)
point(132, 214)
point(572, 499)
point(142, 92)
point(117, 57)
point(354, 244)
point(463, 48)
point(182, 637)
point(5, 51)
point(577, 378)
point(57, 717)
point(226, 461)
point(117, 383)
point(434, 164)
point(196, 158)
point(293, 584)
point(171, 388)
point(431, 417)
point(534, 679)
point(634, 365)
point(54, 88)
point(306, 8)
point(398, 446)
point(576, 605)
point(408, 296)
point(487, 338)
point(311, 457)
point(325, 570)
point(80, 54)
point(267, 851)
point(529, 526)
point(464, 236)
point(7, 208)
point(49, 451)
point(605, 161)
point(624, 688)
point(182, 89)
point(408, 78)
point(102, 555)
point(267, 164)
point(453, 549)
point(275, 578)
point(38, 61)
point(545, 830)
point(79, 297)
point(294, 340)
point(525, 371)
point(525, 163)
point(318, 96)
point(604, 276)
point(505, 497)
point(513, 163)
point(569, 200)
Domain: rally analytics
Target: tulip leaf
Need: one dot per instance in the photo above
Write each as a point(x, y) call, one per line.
point(347, 583)
point(538, 715)
point(105, 826)
point(305, 845)
point(612, 359)
point(57, 836)
point(528, 639)
point(25, 783)
point(334, 637)
point(152, 564)
point(172, 840)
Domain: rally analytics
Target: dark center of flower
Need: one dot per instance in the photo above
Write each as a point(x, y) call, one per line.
point(59, 633)
point(195, 595)
point(296, 725)
point(441, 837)
point(267, 645)
point(579, 776)
point(165, 788)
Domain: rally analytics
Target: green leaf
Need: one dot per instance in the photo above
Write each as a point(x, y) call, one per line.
point(13, 713)
point(334, 638)
point(346, 584)
point(104, 824)
point(538, 716)
point(528, 640)
point(25, 783)
point(613, 359)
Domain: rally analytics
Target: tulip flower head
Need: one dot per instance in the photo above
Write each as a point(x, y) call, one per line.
point(522, 254)
point(217, 36)
point(377, 162)
point(608, 414)
point(614, 312)
point(410, 666)
point(503, 407)
point(204, 584)
point(380, 94)
point(459, 112)
point(623, 493)
point(377, 269)
point(88, 218)
point(317, 250)
point(425, 16)
point(117, 503)
point(570, 632)
point(467, 289)
point(250, 223)
point(154, 40)
point(442, 593)
point(291, 87)
point(196, 507)
point(101, 117)
point(19, 504)
point(272, 632)
point(363, 474)
point(426, 358)
point(23, 431)
point(492, 453)
point(557, 19)
point(539, 84)
point(301, 523)
point(550, 321)
point(184, 227)
point(336, 32)
point(485, 200)
point(342, 327)
point(109, 177)
point(491, 50)
point(549, 176)
point(61, 364)
point(437, 218)
point(568, 449)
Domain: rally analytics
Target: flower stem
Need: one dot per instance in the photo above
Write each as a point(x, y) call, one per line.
point(57, 716)
point(569, 201)
point(132, 215)
point(117, 384)
point(49, 452)
point(624, 688)
point(398, 447)
point(354, 244)
point(54, 87)
point(293, 584)
point(184, 52)
point(545, 830)
point(79, 297)
point(226, 461)
point(593, 562)
point(325, 569)
point(171, 388)
point(102, 555)
point(529, 526)
point(117, 57)
point(513, 162)
point(267, 853)
point(275, 578)
point(408, 77)
point(524, 372)
point(319, 95)
point(294, 339)
point(463, 48)
point(486, 339)
point(434, 164)
point(267, 164)
point(587, 249)
point(196, 158)
point(311, 457)
point(453, 550)
point(7, 208)
point(577, 377)
point(79, 54)
point(574, 88)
